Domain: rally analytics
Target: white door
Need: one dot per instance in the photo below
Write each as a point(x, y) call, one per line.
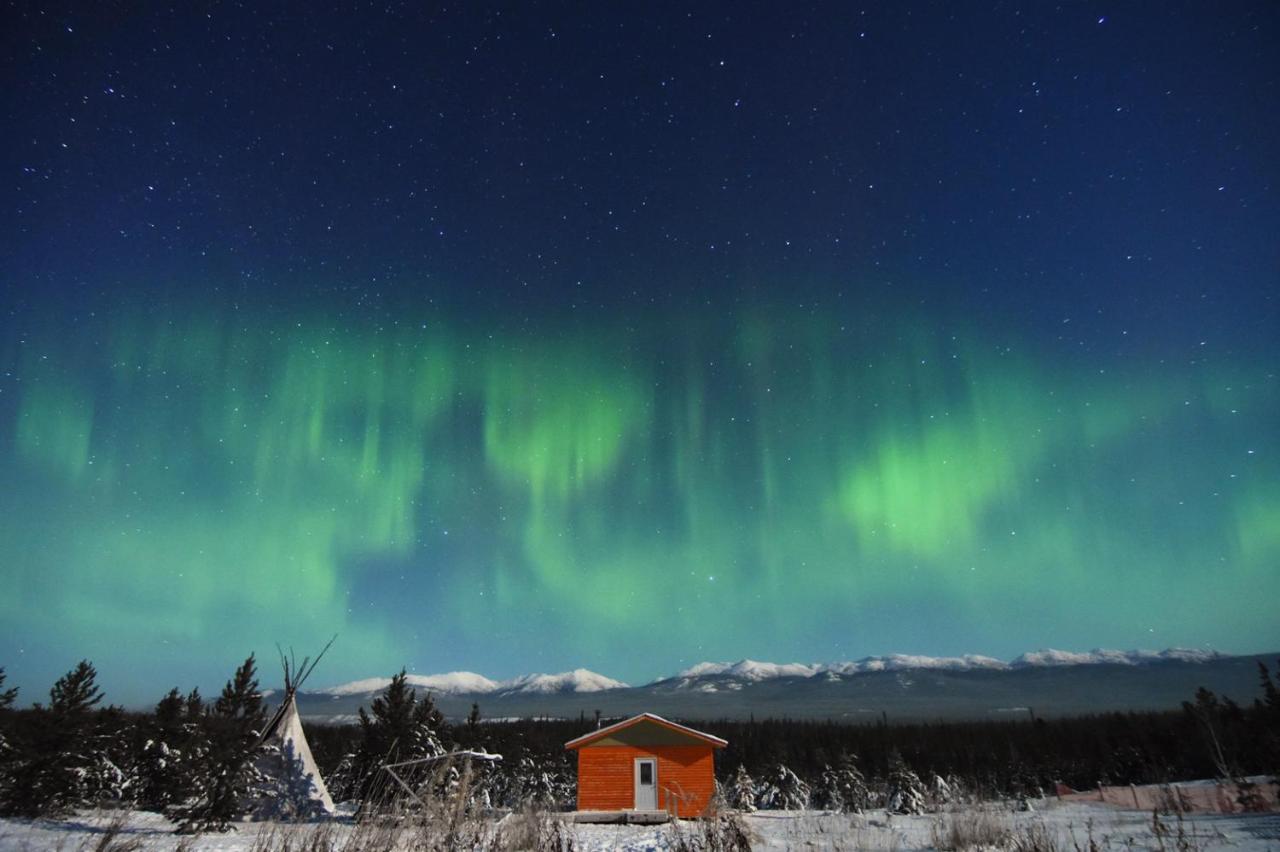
point(646, 784)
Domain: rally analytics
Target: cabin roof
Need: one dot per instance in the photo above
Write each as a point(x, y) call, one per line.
point(588, 739)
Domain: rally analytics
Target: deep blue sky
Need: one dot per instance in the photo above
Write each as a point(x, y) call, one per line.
point(587, 251)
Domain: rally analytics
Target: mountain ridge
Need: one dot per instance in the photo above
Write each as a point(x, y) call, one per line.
point(469, 683)
point(872, 690)
point(746, 670)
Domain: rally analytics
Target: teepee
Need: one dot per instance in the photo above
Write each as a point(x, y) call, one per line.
point(291, 786)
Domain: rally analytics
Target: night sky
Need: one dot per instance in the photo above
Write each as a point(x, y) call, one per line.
point(568, 336)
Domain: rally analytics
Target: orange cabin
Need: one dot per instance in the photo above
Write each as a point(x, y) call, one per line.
point(646, 764)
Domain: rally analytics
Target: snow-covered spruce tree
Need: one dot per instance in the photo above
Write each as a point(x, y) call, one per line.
point(398, 727)
point(1269, 708)
point(473, 724)
point(7, 697)
point(113, 775)
point(766, 794)
point(905, 792)
point(428, 724)
point(160, 758)
point(1024, 787)
point(945, 791)
point(500, 785)
point(54, 765)
point(531, 786)
point(564, 782)
point(341, 781)
point(740, 794)
point(226, 771)
point(826, 793)
point(74, 755)
point(171, 752)
point(783, 790)
point(484, 784)
point(843, 789)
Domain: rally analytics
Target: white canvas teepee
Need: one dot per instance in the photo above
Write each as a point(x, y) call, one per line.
point(291, 786)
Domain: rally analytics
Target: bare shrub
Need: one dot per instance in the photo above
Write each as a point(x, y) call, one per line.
point(1179, 837)
point(267, 839)
point(1250, 797)
point(838, 833)
point(1091, 843)
point(725, 833)
point(274, 838)
point(880, 837)
point(113, 838)
point(533, 829)
point(296, 837)
point(1035, 837)
point(1173, 800)
point(971, 829)
point(432, 810)
point(376, 833)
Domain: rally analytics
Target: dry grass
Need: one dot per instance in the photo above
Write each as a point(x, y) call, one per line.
point(873, 839)
point(834, 832)
point(1035, 837)
point(971, 829)
point(534, 829)
point(112, 837)
point(413, 833)
point(719, 833)
point(439, 815)
point(1180, 836)
point(296, 838)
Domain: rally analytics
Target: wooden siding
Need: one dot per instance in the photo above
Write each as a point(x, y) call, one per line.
point(606, 780)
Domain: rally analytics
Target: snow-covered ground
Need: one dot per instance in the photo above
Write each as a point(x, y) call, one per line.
point(1064, 826)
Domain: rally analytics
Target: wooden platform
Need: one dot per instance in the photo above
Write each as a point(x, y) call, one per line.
point(631, 817)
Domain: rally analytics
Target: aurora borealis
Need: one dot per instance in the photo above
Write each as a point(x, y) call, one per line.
point(488, 367)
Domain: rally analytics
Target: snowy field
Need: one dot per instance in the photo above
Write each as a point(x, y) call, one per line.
point(1053, 825)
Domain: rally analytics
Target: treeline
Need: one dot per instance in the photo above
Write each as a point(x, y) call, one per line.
point(196, 761)
point(1024, 756)
point(190, 759)
point(201, 763)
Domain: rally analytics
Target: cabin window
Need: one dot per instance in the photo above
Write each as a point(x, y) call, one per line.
point(646, 773)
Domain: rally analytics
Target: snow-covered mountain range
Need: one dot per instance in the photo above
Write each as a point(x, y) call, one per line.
point(708, 674)
point(750, 670)
point(898, 686)
point(470, 683)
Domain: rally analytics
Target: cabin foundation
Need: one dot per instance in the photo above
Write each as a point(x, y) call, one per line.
point(624, 816)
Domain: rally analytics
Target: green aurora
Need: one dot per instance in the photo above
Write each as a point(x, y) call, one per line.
point(189, 484)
